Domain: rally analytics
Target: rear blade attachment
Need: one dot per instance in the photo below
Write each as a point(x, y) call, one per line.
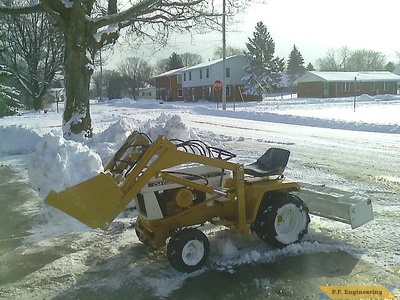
point(336, 204)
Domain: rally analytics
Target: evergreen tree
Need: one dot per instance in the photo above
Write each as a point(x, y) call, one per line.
point(9, 104)
point(264, 70)
point(310, 67)
point(175, 62)
point(295, 67)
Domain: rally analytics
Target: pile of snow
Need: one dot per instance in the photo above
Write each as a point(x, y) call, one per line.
point(58, 164)
point(365, 97)
point(383, 97)
point(17, 140)
point(169, 126)
point(110, 140)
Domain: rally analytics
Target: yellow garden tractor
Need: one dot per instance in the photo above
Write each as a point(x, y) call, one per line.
point(180, 185)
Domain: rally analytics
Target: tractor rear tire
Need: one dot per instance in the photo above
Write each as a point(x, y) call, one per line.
point(281, 220)
point(188, 250)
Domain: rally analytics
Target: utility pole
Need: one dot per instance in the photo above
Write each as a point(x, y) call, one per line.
point(101, 77)
point(355, 94)
point(223, 57)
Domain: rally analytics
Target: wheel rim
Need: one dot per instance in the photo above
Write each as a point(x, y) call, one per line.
point(193, 252)
point(290, 221)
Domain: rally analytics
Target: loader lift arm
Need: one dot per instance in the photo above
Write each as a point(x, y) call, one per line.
point(98, 201)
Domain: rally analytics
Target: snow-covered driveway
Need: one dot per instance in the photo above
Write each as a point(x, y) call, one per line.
point(63, 260)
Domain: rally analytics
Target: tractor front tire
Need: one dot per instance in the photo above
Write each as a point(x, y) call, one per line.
point(188, 250)
point(139, 235)
point(281, 220)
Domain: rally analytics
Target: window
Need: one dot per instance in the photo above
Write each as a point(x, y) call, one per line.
point(228, 72)
point(201, 74)
point(180, 93)
point(184, 76)
point(372, 86)
point(209, 91)
point(179, 78)
point(190, 75)
point(228, 90)
point(207, 73)
point(385, 86)
point(345, 86)
point(358, 86)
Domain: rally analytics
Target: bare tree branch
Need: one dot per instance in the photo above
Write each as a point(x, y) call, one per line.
point(137, 10)
point(23, 10)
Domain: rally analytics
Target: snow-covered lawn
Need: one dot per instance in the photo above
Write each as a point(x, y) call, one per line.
point(330, 143)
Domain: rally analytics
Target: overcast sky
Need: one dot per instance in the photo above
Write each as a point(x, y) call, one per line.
point(314, 26)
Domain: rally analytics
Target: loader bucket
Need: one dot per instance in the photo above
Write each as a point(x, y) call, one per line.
point(94, 202)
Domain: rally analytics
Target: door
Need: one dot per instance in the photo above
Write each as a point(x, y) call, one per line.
point(326, 89)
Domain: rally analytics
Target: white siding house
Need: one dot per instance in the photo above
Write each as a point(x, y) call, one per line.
point(146, 93)
point(197, 81)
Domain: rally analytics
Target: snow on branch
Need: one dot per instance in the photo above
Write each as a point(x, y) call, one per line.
point(135, 11)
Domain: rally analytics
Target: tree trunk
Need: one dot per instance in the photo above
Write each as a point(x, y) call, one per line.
point(78, 70)
point(37, 99)
point(37, 103)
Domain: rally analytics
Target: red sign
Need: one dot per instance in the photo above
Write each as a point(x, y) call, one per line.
point(217, 85)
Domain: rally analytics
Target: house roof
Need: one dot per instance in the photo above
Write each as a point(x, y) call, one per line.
point(313, 76)
point(210, 63)
point(198, 66)
point(170, 72)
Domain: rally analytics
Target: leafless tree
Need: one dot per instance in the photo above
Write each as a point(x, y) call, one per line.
point(33, 51)
point(136, 73)
point(366, 60)
point(330, 62)
point(161, 65)
point(230, 50)
point(357, 60)
point(190, 59)
point(88, 25)
point(344, 53)
point(398, 57)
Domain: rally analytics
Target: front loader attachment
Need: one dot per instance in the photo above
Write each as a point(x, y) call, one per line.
point(95, 202)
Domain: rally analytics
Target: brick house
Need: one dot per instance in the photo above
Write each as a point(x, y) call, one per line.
point(344, 84)
point(169, 85)
point(197, 81)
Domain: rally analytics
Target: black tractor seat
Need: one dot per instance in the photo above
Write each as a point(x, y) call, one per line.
point(272, 162)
